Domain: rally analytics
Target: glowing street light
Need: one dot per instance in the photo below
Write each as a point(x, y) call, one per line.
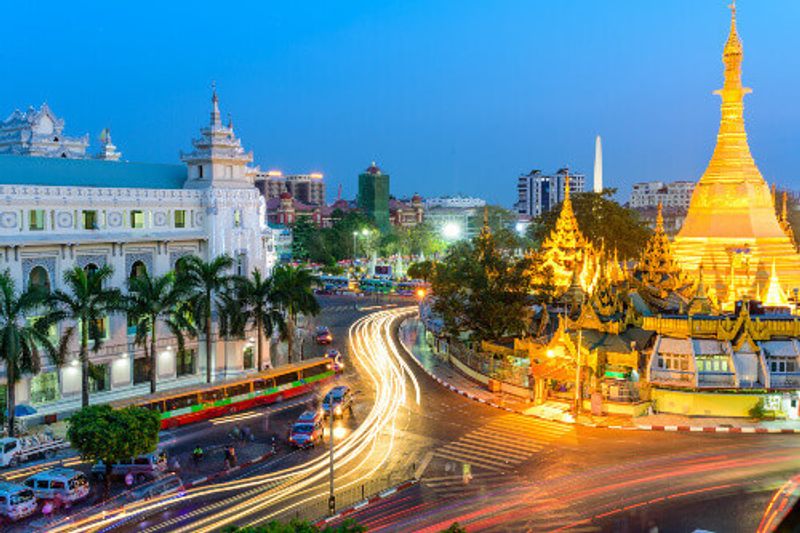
point(451, 231)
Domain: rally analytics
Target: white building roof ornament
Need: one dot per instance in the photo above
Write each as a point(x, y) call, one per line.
point(39, 133)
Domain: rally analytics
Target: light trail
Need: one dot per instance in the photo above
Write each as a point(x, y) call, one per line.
point(357, 457)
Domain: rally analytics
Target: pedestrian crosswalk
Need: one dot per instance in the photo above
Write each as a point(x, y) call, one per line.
point(503, 443)
point(458, 485)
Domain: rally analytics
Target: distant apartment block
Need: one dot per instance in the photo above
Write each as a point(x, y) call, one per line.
point(676, 194)
point(307, 188)
point(538, 193)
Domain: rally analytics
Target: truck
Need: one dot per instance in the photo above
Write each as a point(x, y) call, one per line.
point(18, 450)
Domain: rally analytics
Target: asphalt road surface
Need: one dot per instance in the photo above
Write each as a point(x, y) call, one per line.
point(485, 468)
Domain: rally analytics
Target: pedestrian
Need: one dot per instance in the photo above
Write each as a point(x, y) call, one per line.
point(176, 465)
point(197, 455)
point(231, 455)
point(129, 479)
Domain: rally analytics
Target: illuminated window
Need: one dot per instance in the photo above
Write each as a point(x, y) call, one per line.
point(137, 219)
point(180, 218)
point(90, 219)
point(36, 220)
point(237, 218)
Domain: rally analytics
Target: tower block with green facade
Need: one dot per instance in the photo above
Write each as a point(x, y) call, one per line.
point(373, 196)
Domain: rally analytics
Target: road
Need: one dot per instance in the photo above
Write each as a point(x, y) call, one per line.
point(487, 469)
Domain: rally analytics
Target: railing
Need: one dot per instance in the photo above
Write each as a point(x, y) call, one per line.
point(496, 367)
point(347, 496)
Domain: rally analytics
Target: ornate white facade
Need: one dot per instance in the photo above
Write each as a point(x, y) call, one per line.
point(58, 213)
point(39, 133)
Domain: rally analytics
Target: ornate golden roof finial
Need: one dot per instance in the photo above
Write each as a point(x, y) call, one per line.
point(784, 213)
point(485, 216)
point(660, 217)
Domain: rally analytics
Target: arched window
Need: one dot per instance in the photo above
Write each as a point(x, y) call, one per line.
point(91, 267)
point(137, 269)
point(39, 278)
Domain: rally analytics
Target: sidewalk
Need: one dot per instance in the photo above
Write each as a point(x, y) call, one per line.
point(412, 336)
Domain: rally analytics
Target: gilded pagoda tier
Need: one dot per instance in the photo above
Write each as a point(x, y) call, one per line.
point(731, 228)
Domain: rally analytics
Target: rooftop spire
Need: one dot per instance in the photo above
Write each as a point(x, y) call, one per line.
point(660, 217)
point(216, 121)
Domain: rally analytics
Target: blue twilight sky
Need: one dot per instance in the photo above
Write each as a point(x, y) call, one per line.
point(447, 96)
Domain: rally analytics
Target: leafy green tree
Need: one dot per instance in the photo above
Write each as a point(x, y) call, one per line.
point(421, 270)
point(602, 221)
point(482, 289)
point(22, 340)
point(455, 527)
point(250, 302)
point(203, 281)
point(293, 294)
point(152, 300)
point(87, 304)
point(299, 526)
point(101, 433)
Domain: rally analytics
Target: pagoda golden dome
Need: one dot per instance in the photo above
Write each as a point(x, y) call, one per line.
point(731, 227)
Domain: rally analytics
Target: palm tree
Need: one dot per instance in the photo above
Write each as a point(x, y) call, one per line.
point(293, 294)
point(154, 299)
point(21, 340)
point(250, 302)
point(87, 304)
point(204, 280)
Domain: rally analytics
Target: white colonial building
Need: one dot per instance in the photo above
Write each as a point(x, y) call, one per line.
point(60, 212)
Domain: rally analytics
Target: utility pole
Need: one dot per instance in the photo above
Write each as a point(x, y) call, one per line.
point(331, 497)
point(578, 395)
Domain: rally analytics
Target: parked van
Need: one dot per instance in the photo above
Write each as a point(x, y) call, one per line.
point(147, 466)
point(59, 483)
point(307, 431)
point(16, 501)
point(169, 484)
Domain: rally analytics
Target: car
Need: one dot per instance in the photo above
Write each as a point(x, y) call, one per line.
point(337, 362)
point(308, 430)
point(16, 501)
point(143, 467)
point(63, 483)
point(323, 335)
point(339, 399)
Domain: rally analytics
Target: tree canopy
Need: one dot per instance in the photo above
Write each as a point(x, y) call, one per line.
point(483, 289)
point(101, 433)
point(299, 526)
point(601, 220)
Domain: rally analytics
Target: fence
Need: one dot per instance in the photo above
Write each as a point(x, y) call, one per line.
point(494, 366)
point(317, 507)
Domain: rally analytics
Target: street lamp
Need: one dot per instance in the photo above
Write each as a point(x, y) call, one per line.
point(332, 496)
point(451, 231)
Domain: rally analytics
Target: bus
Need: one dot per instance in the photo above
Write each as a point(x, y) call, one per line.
point(373, 285)
point(334, 284)
point(186, 406)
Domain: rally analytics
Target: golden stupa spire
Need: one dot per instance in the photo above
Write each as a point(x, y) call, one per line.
point(775, 296)
point(784, 213)
point(660, 217)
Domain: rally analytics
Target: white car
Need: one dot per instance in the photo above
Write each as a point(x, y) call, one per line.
point(16, 501)
point(63, 483)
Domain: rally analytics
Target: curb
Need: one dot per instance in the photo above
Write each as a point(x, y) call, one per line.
point(684, 428)
point(369, 501)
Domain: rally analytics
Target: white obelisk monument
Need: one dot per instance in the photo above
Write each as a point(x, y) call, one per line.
point(598, 165)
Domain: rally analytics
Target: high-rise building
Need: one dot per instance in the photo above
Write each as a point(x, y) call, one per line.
point(538, 193)
point(373, 195)
point(307, 188)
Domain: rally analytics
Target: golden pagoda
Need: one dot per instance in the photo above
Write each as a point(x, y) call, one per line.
point(657, 267)
point(731, 227)
point(567, 252)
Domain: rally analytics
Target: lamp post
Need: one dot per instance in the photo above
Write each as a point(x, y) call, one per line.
point(332, 496)
point(578, 395)
point(355, 234)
